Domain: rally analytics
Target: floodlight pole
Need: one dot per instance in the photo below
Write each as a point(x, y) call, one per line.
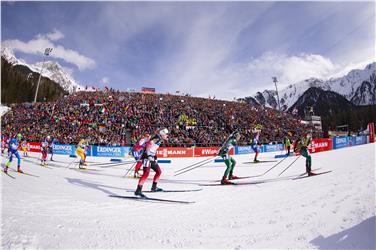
point(46, 53)
point(275, 82)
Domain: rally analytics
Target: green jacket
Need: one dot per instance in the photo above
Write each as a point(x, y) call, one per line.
point(226, 147)
point(287, 142)
point(304, 143)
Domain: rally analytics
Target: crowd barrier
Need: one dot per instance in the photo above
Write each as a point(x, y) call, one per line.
point(317, 145)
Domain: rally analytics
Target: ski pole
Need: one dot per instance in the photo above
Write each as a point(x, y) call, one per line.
point(71, 163)
point(196, 164)
point(192, 168)
point(289, 165)
point(134, 164)
point(115, 165)
point(272, 167)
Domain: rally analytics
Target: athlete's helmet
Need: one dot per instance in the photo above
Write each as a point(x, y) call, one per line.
point(88, 138)
point(164, 133)
point(48, 137)
point(235, 134)
point(19, 136)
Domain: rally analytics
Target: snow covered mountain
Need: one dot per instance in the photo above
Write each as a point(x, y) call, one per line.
point(52, 70)
point(324, 103)
point(358, 86)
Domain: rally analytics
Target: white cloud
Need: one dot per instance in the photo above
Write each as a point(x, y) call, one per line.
point(245, 79)
point(105, 80)
point(38, 44)
point(289, 69)
point(56, 35)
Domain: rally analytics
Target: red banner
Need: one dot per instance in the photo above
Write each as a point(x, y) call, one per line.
point(163, 152)
point(208, 151)
point(32, 147)
point(319, 145)
point(147, 90)
point(371, 130)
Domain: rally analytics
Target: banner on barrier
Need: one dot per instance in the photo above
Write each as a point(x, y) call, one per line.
point(340, 142)
point(107, 151)
point(319, 145)
point(208, 151)
point(63, 149)
point(31, 147)
point(272, 148)
point(240, 150)
point(164, 152)
point(358, 140)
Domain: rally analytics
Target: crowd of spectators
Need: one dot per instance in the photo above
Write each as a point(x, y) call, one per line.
point(119, 118)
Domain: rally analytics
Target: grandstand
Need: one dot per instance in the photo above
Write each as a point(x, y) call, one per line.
point(119, 118)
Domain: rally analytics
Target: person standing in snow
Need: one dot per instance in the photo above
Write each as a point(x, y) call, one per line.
point(287, 142)
point(229, 161)
point(256, 141)
point(137, 151)
point(13, 147)
point(149, 159)
point(303, 144)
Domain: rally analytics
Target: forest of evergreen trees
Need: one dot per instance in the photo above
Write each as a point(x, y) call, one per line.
point(357, 118)
point(17, 86)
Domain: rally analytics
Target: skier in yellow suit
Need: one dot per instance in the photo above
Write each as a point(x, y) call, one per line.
point(81, 151)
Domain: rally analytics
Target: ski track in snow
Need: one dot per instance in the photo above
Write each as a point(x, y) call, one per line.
point(69, 209)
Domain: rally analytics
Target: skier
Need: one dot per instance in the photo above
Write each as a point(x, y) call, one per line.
point(51, 145)
point(303, 144)
point(137, 151)
point(13, 146)
point(256, 141)
point(81, 151)
point(229, 161)
point(149, 159)
point(44, 150)
point(24, 147)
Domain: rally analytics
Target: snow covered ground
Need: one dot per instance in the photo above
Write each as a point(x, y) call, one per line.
point(70, 209)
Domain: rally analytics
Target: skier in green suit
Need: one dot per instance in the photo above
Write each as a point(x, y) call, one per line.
point(303, 144)
point(230, 162)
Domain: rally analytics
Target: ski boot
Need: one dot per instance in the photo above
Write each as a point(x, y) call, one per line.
point(154, 188)
point(224, 181)
point(138, 192)
point(19, 169)
point(311, 174)
point(256, 161)
point(6, 169)
point(233, 177)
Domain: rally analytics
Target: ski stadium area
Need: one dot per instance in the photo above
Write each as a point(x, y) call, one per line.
point(61, 207)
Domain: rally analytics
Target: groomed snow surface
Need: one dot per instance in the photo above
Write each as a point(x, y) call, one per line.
point(70, 209)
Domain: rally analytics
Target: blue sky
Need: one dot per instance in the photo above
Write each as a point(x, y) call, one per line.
point(227, 49)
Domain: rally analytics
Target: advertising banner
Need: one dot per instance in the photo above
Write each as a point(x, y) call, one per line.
point(272, 148)
point(340, 142)
point(64, 149)
point(208, 151)
point(164, 152)
point(321, 144)
point(32, 147)
point(240, 150)
point(358, 140)
point(107, 151)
